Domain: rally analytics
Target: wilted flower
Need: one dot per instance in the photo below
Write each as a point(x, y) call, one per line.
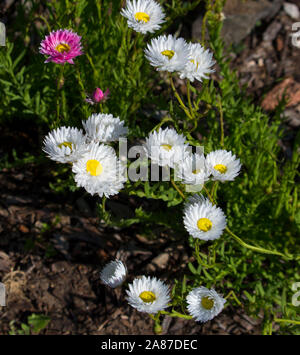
point(113, 274)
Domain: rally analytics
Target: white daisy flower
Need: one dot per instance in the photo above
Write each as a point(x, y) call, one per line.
point(194, 199)
point(143, 15)
point(199, 65)
point(166, 147)
point(203, 220)
point(65, 144)
point(99, 171)
point(168, 53)
point(104, 128)
point(192, 171)
point(223, 165)
point(204, 304)
point(148, 295)
point(113, 274)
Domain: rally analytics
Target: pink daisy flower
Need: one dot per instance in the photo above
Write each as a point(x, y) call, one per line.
point(61, 46)
point(97, 96)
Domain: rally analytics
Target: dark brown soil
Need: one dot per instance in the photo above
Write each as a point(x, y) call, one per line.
point(51, 251)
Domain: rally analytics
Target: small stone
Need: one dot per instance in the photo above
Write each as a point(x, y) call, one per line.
point(292, 10)
point(260, 62)
point(23, 229)
point(161, 260)
point(288, 88)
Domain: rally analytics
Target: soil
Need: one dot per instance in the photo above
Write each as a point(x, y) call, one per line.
point(51, 252)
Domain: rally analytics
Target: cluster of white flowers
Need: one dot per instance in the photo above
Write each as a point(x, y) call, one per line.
point(190, 60)
point(95, 165)
point(166, 147)
point(151, 295)
point(167, 53)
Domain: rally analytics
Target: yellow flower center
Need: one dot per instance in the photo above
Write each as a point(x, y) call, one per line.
point(147, 296)
point(221, 168)
point(207, 303)
point(204, 224)
point(192, 60)
point(168, 53)
point(166, 146)
point(94, 167)
point(63, 47)
point(196, 171)
point(142, 16)
point(65, 144)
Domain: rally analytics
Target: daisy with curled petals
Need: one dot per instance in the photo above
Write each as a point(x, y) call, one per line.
point(104, 128)
point(61, 46)
point(143, 15)
point(99, 171)
point(167, 53)
point(199, 65)
point(204, 304)
point(166, 147)
point(203, 220)
point(65, 144)
point(192, 170)
point(148, 295)
point(113, 274)
point(223, 165)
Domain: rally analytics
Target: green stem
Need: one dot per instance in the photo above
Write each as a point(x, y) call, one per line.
point(41, 17)
point(286, 321)
point(152, 317)
point(204, 28)
point(92, 65)
point(257, 249)
point(165, 119)
point(176, 314)
point(178, 189)
point(214, 189)
point(221, 122)
point(58, 88)
point(209, 195)
point(189, 97)
point(185, 109)
point(233, 295)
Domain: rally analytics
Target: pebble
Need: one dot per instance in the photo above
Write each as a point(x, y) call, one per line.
point(292, 10)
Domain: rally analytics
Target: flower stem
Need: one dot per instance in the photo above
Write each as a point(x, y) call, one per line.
point(178, 189)
point(176, 314)
point(185, 109)
point(257, 249)
point(286, 321)
point(233, 295)
point(209, 195)
point(221, 122)
point(58, 88)
point(189, 97)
